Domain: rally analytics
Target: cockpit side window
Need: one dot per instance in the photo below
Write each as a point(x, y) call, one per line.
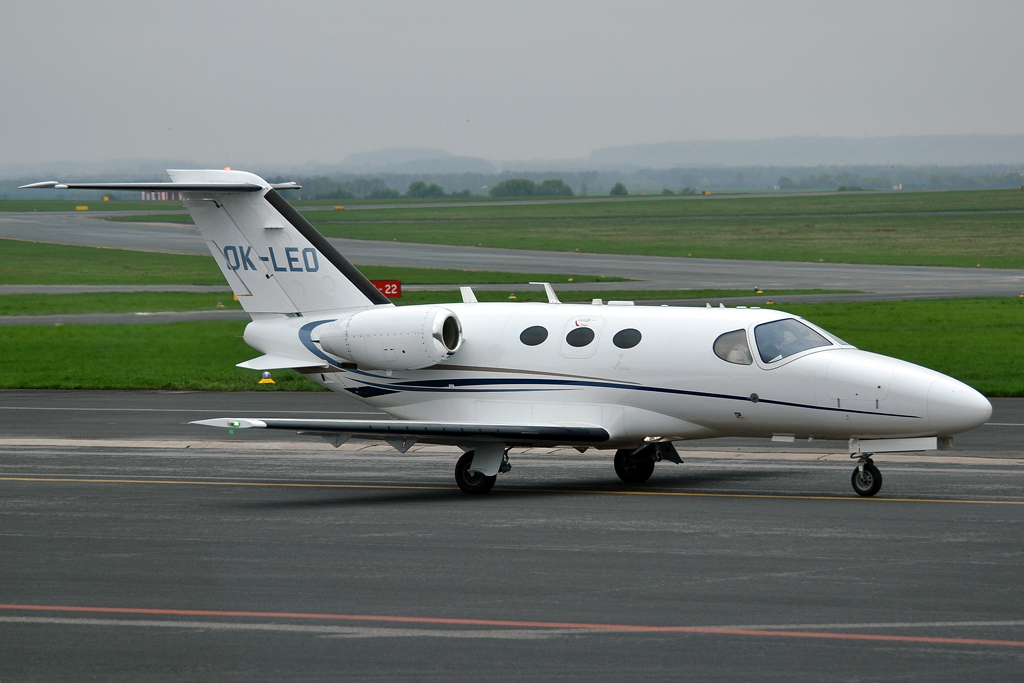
point(733, 347)
point(784, 338)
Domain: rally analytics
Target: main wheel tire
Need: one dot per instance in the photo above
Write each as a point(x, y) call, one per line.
point(632, 469)
point(866, 480)
point(472, 482)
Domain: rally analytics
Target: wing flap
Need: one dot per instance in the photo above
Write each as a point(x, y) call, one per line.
point(443, 431)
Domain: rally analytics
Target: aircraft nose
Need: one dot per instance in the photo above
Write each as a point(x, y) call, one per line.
point(954, 407)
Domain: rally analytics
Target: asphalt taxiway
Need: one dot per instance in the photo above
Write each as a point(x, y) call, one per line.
point(135, 546)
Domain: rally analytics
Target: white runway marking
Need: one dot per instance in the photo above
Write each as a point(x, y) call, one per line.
point(890, 624)
point(332, 631)
point(492, 633)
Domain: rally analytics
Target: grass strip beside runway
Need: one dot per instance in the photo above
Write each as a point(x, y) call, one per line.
point(975, 340)
point(963, 240)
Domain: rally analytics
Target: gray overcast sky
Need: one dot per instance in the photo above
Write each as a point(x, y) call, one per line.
point(260, 82)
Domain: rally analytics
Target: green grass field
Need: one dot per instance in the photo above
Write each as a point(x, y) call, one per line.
point(39, 263)
point(992, 240)
point(975, 340)
point(190, 355)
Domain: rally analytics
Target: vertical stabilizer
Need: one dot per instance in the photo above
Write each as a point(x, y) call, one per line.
point(273, 258)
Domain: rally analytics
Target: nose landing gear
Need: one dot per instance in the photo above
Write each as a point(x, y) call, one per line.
point(866, 480)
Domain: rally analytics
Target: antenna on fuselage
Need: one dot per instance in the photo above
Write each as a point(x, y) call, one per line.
point(550, 291)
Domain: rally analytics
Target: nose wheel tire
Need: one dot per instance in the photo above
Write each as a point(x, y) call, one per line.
point(472, 482)
point(867, 480)
point(632, 469)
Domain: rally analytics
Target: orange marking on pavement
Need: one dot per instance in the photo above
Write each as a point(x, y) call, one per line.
point(629, 628)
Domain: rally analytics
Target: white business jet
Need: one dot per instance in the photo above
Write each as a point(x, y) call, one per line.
point(490, 377)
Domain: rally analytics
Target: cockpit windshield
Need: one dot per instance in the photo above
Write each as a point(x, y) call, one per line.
point(784, 338)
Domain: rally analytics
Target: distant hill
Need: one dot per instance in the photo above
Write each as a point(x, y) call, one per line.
point(413, 160)
point(925, 150)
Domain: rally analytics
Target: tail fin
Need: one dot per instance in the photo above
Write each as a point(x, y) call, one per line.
point(273, 258)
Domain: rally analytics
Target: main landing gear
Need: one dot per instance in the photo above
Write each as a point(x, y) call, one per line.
point(866, 480)
point(473, 481)
point(636, 465)
point(633, 468)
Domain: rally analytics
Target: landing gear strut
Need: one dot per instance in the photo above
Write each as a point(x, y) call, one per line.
point(473, 482)
point(866, 480)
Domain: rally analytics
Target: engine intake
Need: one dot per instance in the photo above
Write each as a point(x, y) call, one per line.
point(407, 338)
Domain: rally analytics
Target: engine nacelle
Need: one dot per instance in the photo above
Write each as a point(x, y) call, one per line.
point(403, 338)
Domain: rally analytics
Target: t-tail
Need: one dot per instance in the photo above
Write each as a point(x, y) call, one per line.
point(274, 259)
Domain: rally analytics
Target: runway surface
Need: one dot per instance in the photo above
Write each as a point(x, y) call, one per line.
point(135, 547)
point(892, 282)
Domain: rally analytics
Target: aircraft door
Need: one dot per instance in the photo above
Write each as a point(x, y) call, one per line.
point(580, 337)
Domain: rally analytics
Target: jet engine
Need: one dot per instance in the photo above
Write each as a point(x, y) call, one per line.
point(406, 338)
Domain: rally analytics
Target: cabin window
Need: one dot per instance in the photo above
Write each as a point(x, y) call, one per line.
point(627, 339)
point(532, 336)
point(733, 347)
point(579, 337)
point(784, 338)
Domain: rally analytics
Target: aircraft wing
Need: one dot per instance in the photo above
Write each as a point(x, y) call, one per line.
point(446, 432)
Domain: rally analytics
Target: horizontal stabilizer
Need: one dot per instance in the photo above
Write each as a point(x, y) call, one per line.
point(273, 258)
point(149, 187)
point(270, 362)
point(448, 432)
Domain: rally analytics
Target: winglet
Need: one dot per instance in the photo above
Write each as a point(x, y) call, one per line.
point(468, 296)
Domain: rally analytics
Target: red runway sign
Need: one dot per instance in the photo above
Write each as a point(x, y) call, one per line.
point(392, 289)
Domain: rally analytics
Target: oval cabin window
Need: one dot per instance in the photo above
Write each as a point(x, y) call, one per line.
point(532, 336)
point(627, 339)
point(579, 337)
point(733, 348)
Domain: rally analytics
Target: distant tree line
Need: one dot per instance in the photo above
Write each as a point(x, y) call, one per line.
point(842, 180)
point(647, 181)
point(914, 179)
point(524, 187)
point(357, 188)
point(419, 189)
